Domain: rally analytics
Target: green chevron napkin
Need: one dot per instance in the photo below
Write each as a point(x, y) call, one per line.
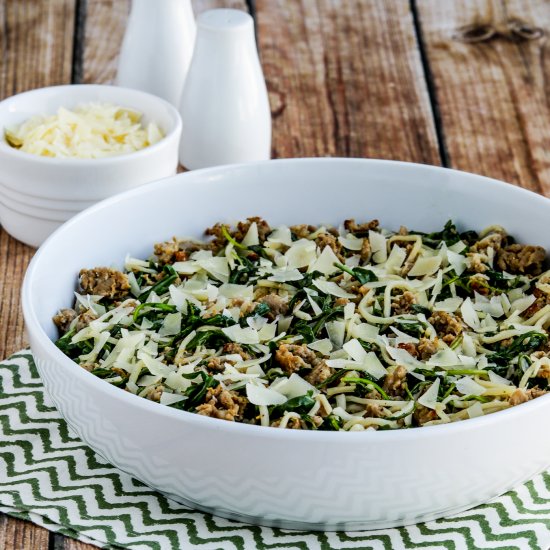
point(48, 476)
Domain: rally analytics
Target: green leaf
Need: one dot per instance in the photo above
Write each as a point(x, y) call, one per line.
point(195, 393)
point(140, 310)
point(417, 308)
point(362, 275)
point(212, 339)
point(301, 405)
point(368, 383)
point(449, 235)
point(162, 286)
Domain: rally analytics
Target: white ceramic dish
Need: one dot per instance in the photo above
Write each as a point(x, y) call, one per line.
point(314, 480)
point(69, 185)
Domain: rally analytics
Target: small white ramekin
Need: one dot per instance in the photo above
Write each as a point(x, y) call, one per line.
point(52, 190)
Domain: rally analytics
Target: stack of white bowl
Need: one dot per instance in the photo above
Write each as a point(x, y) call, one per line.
point(38, 194)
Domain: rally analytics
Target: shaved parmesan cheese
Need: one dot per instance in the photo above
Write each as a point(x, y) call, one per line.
point(468, 346)
point(456, 261)
point(251, 238)
point(395, 259)
point(328, 287)
point(241, 335)
point(267, 332)
point(373, 366)
point(171, 324)
point(364, 331)
point(336, 331)
point(156, 367)
point(351, 242)
point(301, 253)
point(186, 268)
point(231, 290)
point(467, 386)
point(403, 357)
point(425, 266)
point(475, 410)
point(323, 346)
point(450, 305)
point(216, 266)
point(284, 275)
point(177, 382)
point(260, 395)
point(429, 399)
point(171, 398)
point(497, 379)
point(444, 358)
point(293, 386)
point(281, 235)
point(349, 310)
point(149, 380)
point(469, 315)
point(521, 304)
point(92, 130)
point(325, 262)
point(378, 247)
point(355, 350)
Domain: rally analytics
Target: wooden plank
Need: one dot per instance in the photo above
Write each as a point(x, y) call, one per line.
point(345, 79)
point(35, 50)
point(490, 68)
point(104, 30)
point(35, 44)
point(16, 534)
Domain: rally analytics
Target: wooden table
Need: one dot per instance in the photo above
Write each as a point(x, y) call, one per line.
point(462, 83)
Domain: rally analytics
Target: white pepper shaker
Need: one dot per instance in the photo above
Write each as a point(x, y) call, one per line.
point(157, 48)
point(224, 105)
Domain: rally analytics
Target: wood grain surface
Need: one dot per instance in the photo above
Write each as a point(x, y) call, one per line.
point(463, 83)
point(345, 79)
point(491, 67)
point(22, 535)
point(104, 26)
point(36, 42)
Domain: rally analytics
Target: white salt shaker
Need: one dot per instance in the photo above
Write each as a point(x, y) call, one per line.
point(157, 48)
point(224, 105)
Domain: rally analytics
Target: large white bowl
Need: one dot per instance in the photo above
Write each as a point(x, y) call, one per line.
point(49, 186)
point(314, 480)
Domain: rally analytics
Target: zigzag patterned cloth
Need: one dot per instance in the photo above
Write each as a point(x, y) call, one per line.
point(51, 478)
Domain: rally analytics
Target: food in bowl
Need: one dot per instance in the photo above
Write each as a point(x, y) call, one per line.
point(91, 130)
point(321, 328)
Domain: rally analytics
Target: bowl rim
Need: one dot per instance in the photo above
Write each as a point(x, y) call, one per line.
point(23, 156)
point(34, 328)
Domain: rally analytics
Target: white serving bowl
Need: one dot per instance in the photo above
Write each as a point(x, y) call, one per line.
point(53, 185)
point(290, 478)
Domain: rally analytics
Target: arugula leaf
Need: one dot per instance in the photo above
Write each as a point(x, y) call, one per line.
point(64, 343)
point(74, 350)
point(359, 273)
point(524, 343)
point(414, 328)
point(162, 286)
point(332, 423)
point(417, 308)
point(102, 373)
point(196, 392)
point(303, 329)
point(242, 273)
point(368, 383)
point(139, 311)
point(209, 338)
point(261, 310)
point(301, 405)
point(449, 235)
